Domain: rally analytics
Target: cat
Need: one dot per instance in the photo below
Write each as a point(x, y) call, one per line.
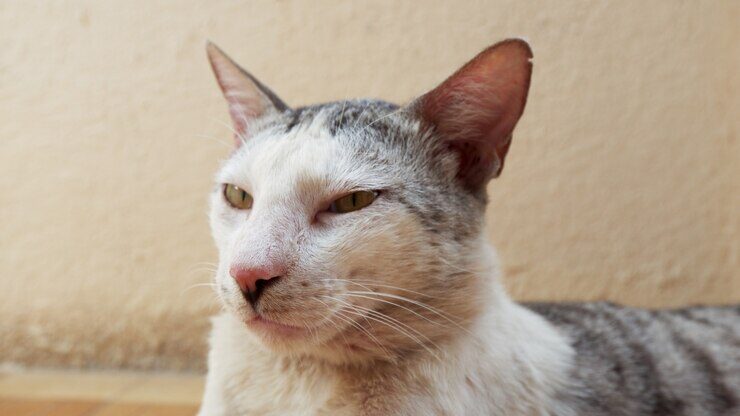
point(356, 277)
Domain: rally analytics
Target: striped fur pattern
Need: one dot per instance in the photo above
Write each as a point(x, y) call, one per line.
point(397, 308)
point(651, 362)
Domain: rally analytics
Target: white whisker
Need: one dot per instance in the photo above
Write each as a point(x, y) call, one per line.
point(389, 318)
point(225, 124)
point(361, 295)
point(398, 329)
point(355, 325)
point(417, 303)
point(211, 285)
point(366, 283)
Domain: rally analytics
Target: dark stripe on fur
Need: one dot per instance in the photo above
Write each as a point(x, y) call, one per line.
point(624, 367)
point(722, 399)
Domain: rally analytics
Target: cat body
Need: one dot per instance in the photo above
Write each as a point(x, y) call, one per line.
point(357, 279)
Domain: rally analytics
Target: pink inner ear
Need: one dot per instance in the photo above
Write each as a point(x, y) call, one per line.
point(477, 108)
point(248, 99)
point(241, 112)
point(245, 103)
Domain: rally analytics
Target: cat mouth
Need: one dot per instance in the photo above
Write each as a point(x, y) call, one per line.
point(266, 326)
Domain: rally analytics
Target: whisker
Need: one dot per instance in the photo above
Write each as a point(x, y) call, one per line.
point(364, 330)
point(355, 325)
point(423, 305)
point(200, 268)
point(417, 303)
point(363, 283)
point(402, 298)
point(385, 316)
point(330, 319)
point(231, 128)
point(360, 295)
point(205, 263)
point(399, 330)
point(225, 124)
point(211, 285)
point(197, 271)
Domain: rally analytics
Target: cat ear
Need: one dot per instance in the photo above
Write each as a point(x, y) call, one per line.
point(475, 110)
point(248, 99)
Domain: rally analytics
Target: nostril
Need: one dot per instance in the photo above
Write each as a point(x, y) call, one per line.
point(259, 287)
point(262, 284)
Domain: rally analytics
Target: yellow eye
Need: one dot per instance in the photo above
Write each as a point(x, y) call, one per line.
point(353, 202)
point(237, 197)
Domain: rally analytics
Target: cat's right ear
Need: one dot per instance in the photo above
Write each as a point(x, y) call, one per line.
point(248, 99)
point(476, 109)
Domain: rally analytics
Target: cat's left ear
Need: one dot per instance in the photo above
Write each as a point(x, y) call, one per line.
point(475, 110)
point(248, 99)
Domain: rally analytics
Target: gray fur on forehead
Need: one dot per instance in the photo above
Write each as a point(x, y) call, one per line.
point(378, 133)
point(344, 115)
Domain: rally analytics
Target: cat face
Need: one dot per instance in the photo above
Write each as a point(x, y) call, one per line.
point(353, 230)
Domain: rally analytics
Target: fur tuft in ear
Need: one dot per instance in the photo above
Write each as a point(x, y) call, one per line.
point(476, 109)
point(248, 99)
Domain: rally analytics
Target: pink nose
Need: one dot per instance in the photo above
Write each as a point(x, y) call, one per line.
point(254, 280)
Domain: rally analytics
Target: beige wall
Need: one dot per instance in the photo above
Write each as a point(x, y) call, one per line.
point(622, 182)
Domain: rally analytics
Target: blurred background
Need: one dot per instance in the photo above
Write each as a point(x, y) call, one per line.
point(622, 182)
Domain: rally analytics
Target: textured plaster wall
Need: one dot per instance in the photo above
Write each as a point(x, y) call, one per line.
point(621, 184)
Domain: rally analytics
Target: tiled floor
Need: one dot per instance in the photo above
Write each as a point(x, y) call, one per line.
point(48, 393)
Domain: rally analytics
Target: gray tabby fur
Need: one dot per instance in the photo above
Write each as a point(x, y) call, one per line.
point(633, 361)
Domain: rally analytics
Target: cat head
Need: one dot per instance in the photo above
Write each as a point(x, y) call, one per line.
point(353, 230)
